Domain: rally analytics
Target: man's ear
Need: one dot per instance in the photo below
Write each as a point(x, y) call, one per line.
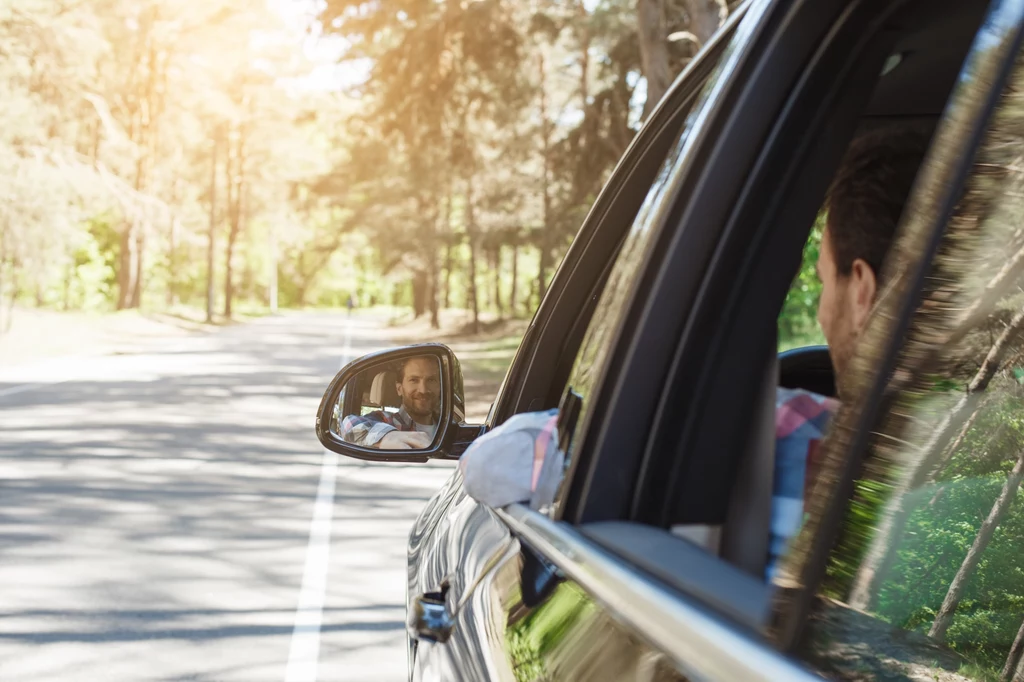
point(863, 287)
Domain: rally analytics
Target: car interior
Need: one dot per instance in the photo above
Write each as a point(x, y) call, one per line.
point(930, 40)
point(913, 89)
point(377, 389)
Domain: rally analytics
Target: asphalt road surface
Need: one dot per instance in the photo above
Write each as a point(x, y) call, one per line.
point(170, 515)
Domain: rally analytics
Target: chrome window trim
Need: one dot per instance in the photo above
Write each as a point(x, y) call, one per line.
point(701, 645)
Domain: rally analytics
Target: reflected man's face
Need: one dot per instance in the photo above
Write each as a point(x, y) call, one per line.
point(419, 388)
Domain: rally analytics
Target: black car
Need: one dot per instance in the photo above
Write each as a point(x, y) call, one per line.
point(658, 342)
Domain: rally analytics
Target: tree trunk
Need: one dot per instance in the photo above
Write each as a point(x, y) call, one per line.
point(433, 300)
point(931, 460)
point(420, 292)
point(172, 260)
point(272, 286)
point(583, 26)
point(433, 276)
point(172, 249)
point(1011, 671)
point(69, 278)
point(12, 297)
point(515, 280)
point(140, 254)
point(237, 207)
point(653, 40)
point(956, 589)
point(434, 286)
point(706, 16)
point(544, 242)
point(237, 218)
point(144, 135)
point(8, 271)
point(496, 282)
point(448, 263)
point(447, 231)
point(126, 267)
point(488, 289)
point(471, 233)
point(211, 292)
point(231, 173)
point(3, 279)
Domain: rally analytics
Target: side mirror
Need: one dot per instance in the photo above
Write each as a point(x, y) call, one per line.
point(400, 405)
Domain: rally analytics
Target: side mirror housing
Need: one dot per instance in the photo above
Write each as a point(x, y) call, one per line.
point(400, 405)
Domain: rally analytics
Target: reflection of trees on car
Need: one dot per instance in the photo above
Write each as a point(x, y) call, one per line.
point(933, 458)
point(927, 579)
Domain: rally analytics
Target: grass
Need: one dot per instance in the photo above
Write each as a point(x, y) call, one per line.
point(979, 673)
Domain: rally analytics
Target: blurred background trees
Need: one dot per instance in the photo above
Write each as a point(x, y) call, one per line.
point(256, 154)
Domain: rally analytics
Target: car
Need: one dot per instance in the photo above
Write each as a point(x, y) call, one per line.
point(657, 342)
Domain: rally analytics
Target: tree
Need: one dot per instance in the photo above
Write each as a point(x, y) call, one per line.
point(944, 617)
point(1011, 669)
point(938, 449)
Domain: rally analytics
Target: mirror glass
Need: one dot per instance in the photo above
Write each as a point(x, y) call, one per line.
point(395, 405)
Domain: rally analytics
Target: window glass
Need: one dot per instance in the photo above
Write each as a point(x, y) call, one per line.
point(798, 321)
point(926, 579)
point(597, 343)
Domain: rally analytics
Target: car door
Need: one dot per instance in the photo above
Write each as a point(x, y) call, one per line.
point(455, 542)
point(617, 580)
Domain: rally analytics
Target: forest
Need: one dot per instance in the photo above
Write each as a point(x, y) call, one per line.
point(230, 156)
point(266, 154)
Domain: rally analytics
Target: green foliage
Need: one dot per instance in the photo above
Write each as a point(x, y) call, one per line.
point(865, 508)
point(105, 241)
point(533, 638)
point(798, 322)
point(945, 516)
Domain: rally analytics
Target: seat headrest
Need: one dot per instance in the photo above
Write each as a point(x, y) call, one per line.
point(382, 390)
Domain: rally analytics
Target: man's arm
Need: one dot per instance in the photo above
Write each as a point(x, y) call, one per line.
point(367, 430)
point(518, 461)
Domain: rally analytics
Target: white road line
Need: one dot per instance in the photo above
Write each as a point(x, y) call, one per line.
point(18, 389)
point(21, 388)
point(304, 655)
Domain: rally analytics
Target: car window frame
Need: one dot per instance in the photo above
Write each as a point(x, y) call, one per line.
point(687, 142)
point(938, 189)
point(607, 491)
point(532, 381)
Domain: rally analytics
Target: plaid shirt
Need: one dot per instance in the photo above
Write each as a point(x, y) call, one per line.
point(368, 429)
point(801, 418)
point(520, 461)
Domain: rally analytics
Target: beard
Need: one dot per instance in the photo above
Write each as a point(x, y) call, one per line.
point(842, 351)
point(421, 407)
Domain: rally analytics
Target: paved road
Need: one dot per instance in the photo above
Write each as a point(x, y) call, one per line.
point(159, 516)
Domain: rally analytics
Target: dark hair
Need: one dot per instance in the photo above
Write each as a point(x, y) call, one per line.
point(400, 365)
point(869, 192)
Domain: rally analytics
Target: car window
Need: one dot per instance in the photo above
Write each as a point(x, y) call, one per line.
point(594, 352)
point(798, 320)
point(925, 579)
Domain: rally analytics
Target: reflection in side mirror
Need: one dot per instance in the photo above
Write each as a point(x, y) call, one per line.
point(404, 404)
point(393, 405)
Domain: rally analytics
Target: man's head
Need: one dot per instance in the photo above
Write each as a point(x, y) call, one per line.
point(864, 207)
point(419, 381)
